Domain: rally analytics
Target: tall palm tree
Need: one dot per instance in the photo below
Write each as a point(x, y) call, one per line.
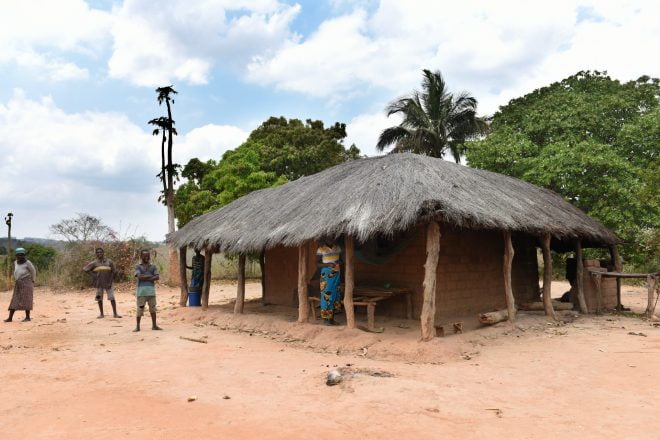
point(434, 120)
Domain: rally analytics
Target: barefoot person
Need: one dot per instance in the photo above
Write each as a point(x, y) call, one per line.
point(24, 276)
point(103, 271)
point(329, 254)
point(146, 274)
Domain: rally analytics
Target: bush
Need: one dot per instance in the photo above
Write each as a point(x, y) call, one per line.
point(67, 269)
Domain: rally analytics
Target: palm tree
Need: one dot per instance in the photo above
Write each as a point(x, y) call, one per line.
point(434, 120)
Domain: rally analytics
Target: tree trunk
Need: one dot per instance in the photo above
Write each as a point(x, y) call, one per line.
point(427, 317)
point(579, 274)
point(240, 288)
point(547, 278)
point(174, 275)
point(508, 290)
point(618, 267)
point(183, 275)
point(303, 301)
point(208, 256)
point(349, 283)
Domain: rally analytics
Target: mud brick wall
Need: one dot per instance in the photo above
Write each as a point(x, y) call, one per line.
point(608, 291)
point(469, 277)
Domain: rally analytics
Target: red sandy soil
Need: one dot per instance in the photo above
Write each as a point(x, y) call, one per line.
point(69, 375)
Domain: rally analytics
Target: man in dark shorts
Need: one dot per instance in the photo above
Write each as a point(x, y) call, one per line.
point(103, 272)
point(147, 275)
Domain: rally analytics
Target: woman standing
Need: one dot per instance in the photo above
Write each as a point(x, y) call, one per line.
point(329, 256)
point(24, 276)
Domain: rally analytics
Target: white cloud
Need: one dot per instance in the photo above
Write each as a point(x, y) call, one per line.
point(35, 35)
point(490, 48)
point(182, 40)
point(363, 131)
point(55, 164)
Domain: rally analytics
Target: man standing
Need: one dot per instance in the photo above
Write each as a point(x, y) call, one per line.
point(103, 272)
point(146, 274)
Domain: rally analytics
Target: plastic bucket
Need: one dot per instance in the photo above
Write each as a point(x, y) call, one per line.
point(194, 299)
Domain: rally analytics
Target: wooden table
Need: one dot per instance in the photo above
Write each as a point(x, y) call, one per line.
point(652, 284)
point(370, 296)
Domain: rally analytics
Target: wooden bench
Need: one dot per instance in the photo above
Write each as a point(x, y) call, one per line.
point(369, 297)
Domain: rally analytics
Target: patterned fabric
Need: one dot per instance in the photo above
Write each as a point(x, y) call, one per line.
point(329, 254)
point(23, 295)
point(330, 297)
point(197, 277)
point(103, 273)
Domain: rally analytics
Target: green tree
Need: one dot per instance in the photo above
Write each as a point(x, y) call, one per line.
point(41, 256)
point(592, 139)
point(434, 120)
point(277, 151)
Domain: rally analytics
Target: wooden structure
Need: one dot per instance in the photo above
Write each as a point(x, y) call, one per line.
point(652, 280)
point(470, 246)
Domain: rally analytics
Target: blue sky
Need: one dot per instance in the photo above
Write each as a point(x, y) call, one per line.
point(77, 80)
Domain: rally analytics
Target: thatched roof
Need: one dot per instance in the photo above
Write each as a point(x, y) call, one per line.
point(384, 195)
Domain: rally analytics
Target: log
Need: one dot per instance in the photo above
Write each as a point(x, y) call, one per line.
point(303, 302)
point(650, 284)
point(427, 316)
point(579, 275)
point(508, 290)
point(491, 318)
point(240, 288)
point(183, 276)
point(208, 256)
point(547, 279)
point(538, 306)
point(349, 283)
point(618, 267)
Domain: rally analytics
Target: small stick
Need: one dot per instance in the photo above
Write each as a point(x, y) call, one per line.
point(201, 341)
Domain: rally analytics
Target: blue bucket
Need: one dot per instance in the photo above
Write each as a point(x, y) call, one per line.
point(194, 299)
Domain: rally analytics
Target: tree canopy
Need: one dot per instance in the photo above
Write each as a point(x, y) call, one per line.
point(277, 151)
point(593, 140)
point(434, 120)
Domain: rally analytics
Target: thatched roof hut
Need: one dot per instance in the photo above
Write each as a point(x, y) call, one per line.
point(387, 195)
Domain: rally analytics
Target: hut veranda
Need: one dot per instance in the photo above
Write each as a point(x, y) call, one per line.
point(460, 241)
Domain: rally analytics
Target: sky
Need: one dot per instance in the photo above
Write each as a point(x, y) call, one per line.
point(78, 79)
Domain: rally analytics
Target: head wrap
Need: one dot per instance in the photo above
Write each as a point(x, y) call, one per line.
point(20, 251)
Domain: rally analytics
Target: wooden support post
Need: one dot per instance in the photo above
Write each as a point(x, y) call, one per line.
point(427, 316)
point(240, 289)
point(618, 267)
point(183, 276)
point(651, 281)
point(371, 316)
point(508, 290)
point(547, 278)
point(596, 276)
point(303, 301)
point(262, 269)
point(208, 256)
point(579, 274)
point(349, 282)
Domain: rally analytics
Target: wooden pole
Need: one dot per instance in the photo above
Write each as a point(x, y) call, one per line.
point(240, 289)
point(508, 290)
point(547, 278)
point(183, 276)
point(651, 281)
point(262, 269)
point(8, 218)
point(579, 274)
point(618, 267)
point(349, 283)
point(303, 301)
point(208, 256)
point(427, 317)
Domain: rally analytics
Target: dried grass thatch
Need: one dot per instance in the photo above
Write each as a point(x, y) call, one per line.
point(387, 194)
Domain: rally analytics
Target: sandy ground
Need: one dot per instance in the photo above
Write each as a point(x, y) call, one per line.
point(69, 375)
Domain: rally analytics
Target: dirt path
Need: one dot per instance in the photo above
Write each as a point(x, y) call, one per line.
point(69, 375)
